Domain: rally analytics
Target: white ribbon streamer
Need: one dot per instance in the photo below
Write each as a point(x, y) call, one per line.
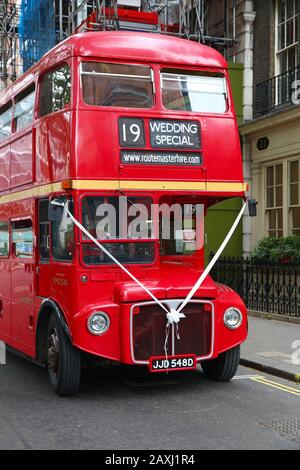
point(174, 315)
point(213, 261)
point(168, 325)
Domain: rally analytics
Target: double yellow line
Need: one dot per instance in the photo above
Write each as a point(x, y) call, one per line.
point(278, 386)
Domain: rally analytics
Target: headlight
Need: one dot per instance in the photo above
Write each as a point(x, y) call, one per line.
point(98, 323)
point(233, 318)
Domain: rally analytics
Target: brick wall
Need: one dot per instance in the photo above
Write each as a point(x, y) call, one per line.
point(264, 41)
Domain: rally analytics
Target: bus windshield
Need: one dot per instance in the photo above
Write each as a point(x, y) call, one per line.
point(120, 85)
point(181, 227)
point(193, 91)
point(116, 222)
point(127, 228)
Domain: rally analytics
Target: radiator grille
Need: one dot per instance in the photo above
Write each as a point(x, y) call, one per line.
point(149, 332)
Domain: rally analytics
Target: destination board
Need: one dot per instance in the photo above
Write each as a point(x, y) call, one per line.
point(165, 133)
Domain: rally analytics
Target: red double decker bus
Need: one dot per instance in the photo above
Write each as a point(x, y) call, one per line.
point(109, 141)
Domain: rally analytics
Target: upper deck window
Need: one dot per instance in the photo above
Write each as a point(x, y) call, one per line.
point(55, 90)
point(5, 121)
point(194, 91)
point(23, 112)
point(119, 85)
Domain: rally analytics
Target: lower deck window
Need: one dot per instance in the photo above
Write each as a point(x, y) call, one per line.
point(4, 239)
point(22, 238)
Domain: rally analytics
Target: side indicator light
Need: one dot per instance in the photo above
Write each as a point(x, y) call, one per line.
point(68, 184)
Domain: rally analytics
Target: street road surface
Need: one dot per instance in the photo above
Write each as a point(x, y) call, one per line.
point(125, 409)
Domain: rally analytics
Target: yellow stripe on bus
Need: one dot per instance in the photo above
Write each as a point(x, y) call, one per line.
point(37, 191)
point(133, 185)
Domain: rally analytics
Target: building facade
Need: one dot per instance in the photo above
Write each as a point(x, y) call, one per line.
point(271, 140)
point(234, 20)
point(10, 61)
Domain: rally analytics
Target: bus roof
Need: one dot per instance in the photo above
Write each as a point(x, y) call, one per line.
point(122, 45)
point(148, 47)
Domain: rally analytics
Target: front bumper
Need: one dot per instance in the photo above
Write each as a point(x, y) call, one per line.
point(138, 330)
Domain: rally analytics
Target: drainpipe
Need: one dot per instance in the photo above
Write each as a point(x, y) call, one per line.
point(244, 36)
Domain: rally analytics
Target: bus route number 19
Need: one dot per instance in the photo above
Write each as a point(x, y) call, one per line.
point(131, 132)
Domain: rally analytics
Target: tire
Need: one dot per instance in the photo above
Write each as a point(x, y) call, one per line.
point(224, 367)
point(63, 361)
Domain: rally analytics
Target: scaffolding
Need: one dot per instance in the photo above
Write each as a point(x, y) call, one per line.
point(36, 30)
point(10, 63)
point(35, 26)
point(184, 18)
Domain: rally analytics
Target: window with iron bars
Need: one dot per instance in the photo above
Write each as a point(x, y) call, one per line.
point(288, 53)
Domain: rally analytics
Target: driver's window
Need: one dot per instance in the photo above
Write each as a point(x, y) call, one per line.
point(44, 230)
point(62, 232)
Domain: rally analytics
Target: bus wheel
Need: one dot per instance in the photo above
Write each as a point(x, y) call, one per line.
point(224, 367)
point(63, 361)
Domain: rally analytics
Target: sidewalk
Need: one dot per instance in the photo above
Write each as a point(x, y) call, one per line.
point(269, 348)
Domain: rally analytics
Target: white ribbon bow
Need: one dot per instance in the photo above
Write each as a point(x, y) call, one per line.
point(174, 316)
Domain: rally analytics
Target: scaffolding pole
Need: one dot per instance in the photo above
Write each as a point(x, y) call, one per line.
point(106, 14)
point(9, 47)
point(192, 19)
point(183, 18)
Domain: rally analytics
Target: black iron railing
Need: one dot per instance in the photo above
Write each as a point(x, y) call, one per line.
point(265, 287)
point(276, 93)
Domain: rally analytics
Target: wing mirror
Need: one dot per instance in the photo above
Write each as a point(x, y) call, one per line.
point(252, 206)
point(55, 211)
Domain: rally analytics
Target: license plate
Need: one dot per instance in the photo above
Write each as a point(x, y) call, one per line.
point(163, 364)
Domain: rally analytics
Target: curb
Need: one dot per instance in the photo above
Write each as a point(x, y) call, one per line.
point(271, 370)
point(274, 316)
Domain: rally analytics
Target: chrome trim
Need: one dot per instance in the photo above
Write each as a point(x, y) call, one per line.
point(173, 339)
point(122, 75)
point(174, 303)
point(153, 81)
